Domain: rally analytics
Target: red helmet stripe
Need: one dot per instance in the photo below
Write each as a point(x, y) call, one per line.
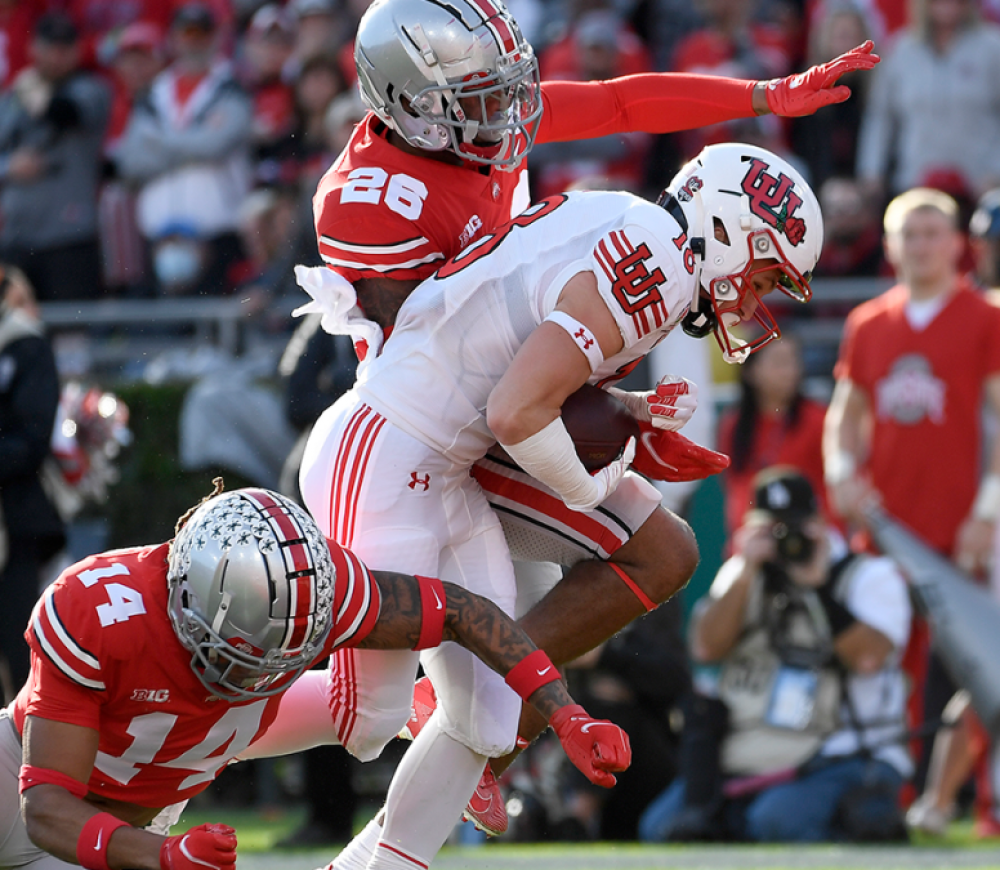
point(497, 22)
point(300, 586)
point(504, 34)
point(488, 8)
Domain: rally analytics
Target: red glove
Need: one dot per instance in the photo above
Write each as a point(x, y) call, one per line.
point(804, 93)
point(595, 746)
point(664, 455)
point(211, 846)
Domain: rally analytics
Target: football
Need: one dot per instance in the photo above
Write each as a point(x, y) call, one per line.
point(599, 425)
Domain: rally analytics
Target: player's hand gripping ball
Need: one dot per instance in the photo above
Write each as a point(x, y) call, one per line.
point(205, 846)
point(672, 403)
point(599, 424)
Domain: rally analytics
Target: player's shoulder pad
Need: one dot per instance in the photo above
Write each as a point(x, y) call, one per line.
point(640, 271)
point(96, 611)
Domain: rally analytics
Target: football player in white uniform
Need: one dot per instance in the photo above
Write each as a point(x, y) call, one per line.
point(441, 161)
point(574, 290)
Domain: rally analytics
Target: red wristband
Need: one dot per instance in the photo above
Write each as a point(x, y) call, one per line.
point(92, 846)
point(531, 673)
point(30, 776)
point(432, 612)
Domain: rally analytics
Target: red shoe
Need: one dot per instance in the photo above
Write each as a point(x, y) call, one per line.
point(986, 828)
point(487, 809)
point(424, 703)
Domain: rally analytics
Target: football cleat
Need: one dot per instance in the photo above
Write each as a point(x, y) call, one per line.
point(424, 703)
point(486, 809)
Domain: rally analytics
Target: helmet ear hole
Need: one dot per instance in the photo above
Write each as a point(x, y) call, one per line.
point(719, 229)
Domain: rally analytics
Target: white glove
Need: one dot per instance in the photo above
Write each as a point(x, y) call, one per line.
point(604, 481)
point(672, 403)
point(668, 406)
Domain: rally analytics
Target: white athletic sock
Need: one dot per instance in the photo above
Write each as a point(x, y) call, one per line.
point(358, 852)
point(429, 790)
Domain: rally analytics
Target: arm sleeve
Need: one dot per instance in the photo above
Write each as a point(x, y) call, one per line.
point(648, 102)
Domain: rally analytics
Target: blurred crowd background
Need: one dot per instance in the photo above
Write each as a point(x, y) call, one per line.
point(157, 164)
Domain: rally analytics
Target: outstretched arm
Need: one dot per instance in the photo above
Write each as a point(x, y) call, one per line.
point(668, 102)
point(407, 620)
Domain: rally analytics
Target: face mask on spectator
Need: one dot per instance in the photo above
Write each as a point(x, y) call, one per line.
point(176, 262)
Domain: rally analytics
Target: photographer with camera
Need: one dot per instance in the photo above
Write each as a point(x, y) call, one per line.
point(798, 733)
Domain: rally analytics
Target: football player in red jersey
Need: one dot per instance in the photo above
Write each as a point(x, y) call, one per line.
point(439, 163)
point(154, 667)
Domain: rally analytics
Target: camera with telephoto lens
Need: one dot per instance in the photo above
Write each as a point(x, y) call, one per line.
point(792, 543)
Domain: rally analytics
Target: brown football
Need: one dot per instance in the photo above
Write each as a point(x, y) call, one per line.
point(599, 425)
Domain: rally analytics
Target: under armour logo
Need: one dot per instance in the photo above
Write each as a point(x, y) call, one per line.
point(416, 480)
point(581, 336)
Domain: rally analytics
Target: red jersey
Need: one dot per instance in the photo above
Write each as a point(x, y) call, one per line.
point(426, 210)
point(104, 655)
point(924, 388)
point(775, 443)
point(381, 211)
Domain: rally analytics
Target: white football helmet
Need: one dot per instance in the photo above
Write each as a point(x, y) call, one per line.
point(251, 584)
point(739, 205)
point(451, 74)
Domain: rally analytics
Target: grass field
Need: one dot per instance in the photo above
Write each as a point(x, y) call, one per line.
point(257, 835)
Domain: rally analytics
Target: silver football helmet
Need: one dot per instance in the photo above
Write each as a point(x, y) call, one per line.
point(745, 211)
point(451, 74)
point(251, 585)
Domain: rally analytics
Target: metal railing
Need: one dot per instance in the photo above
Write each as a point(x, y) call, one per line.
point(119, 330)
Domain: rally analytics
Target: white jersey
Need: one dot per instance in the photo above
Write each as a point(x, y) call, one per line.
point(456, 335)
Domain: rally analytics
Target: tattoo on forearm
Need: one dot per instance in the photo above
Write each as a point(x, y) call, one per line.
point(471, 620)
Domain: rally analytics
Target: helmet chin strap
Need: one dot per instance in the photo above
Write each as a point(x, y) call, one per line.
point(698, 322)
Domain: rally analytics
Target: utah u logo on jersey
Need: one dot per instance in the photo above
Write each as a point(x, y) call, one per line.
point(635, 288)
point(774, 200)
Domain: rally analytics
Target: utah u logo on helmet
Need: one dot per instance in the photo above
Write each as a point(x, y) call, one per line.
point(774, 200)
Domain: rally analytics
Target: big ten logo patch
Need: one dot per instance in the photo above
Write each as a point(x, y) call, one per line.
point(419, 482)
point(774, 200)
point(474, 225)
